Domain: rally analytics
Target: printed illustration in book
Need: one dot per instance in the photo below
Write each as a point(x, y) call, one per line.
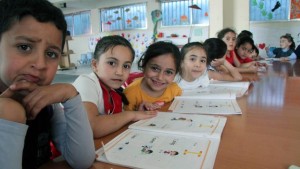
point(169, 140)
point(222, 103)
point(219, 87)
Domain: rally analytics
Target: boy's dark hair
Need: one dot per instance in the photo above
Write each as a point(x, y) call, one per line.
point(244, 39)
point(290, 39)
point(223, 32)
point(160, 48)
point(215, 49)
point(12, 11)
point(187, 47)
point(109, 42)
point(245, 33)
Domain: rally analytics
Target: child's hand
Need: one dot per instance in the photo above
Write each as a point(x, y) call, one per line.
point(284, 59)
point(140, 115)
point(37, 97)
point(146, 106)
point(253, 69)
point(217, 62)
point(267, 49)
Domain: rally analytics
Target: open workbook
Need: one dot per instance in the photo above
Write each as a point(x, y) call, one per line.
point(220, 87)
point(169, 140)
point(222, 103)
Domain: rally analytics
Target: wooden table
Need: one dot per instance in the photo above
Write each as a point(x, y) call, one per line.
point(267, 134)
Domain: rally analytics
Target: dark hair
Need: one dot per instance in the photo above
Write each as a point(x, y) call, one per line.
point(245, 33)
point(223, 32)
point(290, 39)
point(256, 49)
point(108, 42)
point(160, 48)
point(215, 49)
point(12, 11)
point(187, 47)
point(243, 40)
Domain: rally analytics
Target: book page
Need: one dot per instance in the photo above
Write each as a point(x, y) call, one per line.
point(205, 106)
point(141, 149)
point(183, 124)
point(236, 89)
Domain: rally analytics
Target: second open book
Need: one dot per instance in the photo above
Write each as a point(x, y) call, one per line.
point(169, 140)
point(218, 98)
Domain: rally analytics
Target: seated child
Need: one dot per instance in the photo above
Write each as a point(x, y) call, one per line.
point(193, 72)
point(156, 90)
point(255, 54)
point(218, 67)
point(228, 35)
point(100, 92)
point(286, 50)
point(33, 111)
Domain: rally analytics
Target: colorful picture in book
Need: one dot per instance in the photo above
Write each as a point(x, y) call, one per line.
point(146, 150)
point(170, 152)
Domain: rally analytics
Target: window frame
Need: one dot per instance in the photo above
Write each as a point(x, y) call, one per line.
point(123, 20)
point(89, 26)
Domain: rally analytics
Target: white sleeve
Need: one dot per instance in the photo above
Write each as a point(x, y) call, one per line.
point(72, 133)
point(293, 56)
point(12, 140)
point(89, 89)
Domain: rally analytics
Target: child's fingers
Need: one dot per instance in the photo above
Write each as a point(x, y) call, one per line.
point(23, 87)
point(7, 93)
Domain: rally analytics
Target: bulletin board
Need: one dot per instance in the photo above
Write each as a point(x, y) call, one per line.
point(139, 40)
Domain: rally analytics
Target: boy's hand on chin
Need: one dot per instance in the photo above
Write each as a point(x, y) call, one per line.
point(34, 98)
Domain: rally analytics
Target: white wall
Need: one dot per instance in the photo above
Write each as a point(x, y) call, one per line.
point(236, 14)
point(269, 33)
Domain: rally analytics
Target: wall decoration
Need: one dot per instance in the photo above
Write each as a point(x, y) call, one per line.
point(269, 10)
point(156, 17)
point(295, 9)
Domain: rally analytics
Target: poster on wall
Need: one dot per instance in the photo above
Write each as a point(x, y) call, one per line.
point(269, 10)
point(295, 9)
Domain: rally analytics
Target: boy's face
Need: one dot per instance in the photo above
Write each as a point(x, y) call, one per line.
point(194, 64)
point(113, 66)
point(29, 51)
point(159, 72)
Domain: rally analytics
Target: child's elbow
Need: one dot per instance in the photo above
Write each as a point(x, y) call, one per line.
point(83, 162)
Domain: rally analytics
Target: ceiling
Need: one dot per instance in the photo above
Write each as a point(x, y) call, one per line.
point(75, 5)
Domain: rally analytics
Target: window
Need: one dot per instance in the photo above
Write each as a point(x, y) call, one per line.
point(79, 23)
point(124, 17)
point(269, 10)
point(185, 12)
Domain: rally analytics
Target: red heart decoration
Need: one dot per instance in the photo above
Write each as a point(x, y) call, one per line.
point(262, 45)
